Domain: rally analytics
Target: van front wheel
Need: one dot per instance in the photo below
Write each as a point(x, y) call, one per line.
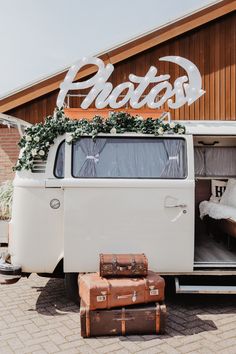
point(71, 286)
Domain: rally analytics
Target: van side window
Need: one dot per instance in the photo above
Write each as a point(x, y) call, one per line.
point(59, 166)
point(129, 158)
point(215, 161)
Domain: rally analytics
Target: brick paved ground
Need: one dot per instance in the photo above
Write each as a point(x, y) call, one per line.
point(36, 317)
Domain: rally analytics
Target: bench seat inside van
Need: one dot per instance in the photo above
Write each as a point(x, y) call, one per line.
point(219, 218)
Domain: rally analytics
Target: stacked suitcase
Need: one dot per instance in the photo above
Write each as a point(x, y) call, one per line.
point(125, 298)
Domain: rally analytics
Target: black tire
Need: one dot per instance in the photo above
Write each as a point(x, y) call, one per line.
point(71, 286)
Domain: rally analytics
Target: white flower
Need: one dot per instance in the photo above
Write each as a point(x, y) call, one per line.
point(94, 132)
point(34, 152)
point(69, 138)
point(139, 117)
point(36, 138)
point(41, 153)
point(172, 125)
point(160, 131)
point(28, 138)
point(47, 143)
point(113, 130)
point(180, 130)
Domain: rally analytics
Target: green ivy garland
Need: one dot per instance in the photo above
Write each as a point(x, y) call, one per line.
point(38, 138)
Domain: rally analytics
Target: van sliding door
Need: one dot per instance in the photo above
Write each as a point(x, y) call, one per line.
point(130, 194)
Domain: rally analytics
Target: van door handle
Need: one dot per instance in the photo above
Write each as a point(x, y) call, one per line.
point(176, 206)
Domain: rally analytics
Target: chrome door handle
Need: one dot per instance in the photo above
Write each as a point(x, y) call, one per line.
point(176, 206)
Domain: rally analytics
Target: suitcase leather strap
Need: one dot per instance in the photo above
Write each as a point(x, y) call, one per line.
point(146, 290)
point(114, 263)
point(108, 294)
point(133, 265)
point(87, 322)
point(157, 318)
point(123, 321)
point(162, 318)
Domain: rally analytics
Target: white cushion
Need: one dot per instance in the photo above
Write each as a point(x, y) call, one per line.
point(214, 199)
point(217, 189)
point(217, 210)
point(229, 196)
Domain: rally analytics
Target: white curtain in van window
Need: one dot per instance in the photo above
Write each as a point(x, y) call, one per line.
point(220, 161)
point(199, 163)
point(173, 168)
point(132, 158)
point(92, 150)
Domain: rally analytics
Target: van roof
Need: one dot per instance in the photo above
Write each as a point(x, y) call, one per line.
point(209, 127)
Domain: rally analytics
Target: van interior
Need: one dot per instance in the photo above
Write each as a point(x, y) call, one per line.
point(215, 168)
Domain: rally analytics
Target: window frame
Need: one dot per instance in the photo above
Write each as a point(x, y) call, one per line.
point(133, 178)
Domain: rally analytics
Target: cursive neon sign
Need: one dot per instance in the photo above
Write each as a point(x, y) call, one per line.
point(186, 89)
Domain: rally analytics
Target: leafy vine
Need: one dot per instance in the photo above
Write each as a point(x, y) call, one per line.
point(38, 138)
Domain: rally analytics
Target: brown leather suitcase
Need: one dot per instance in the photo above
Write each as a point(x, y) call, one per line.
point(145, 319)
point(123, 265)
point(100, 293)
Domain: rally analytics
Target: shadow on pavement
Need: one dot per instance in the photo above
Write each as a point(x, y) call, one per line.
point(52, 300)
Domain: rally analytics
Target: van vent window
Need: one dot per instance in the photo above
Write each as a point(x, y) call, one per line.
point(59, 167)
point(129, 158)
point(39, 166)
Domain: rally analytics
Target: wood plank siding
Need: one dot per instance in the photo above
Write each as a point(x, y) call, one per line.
point(212, 47)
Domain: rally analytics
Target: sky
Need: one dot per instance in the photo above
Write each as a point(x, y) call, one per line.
point(39, 38)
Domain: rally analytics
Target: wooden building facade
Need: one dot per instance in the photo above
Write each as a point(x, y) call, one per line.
point(211, 47)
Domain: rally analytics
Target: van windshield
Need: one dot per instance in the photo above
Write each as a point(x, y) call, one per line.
point(127, 157)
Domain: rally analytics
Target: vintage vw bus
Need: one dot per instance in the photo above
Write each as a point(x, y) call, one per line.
point(128, 193)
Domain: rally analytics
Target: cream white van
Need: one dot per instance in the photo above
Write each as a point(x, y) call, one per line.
point(129, 193)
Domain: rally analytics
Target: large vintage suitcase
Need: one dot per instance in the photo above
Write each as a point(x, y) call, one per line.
point(100, 293)
point(123, 265)
point(145, 319)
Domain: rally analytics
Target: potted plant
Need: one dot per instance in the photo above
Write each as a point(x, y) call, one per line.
point(6, 194)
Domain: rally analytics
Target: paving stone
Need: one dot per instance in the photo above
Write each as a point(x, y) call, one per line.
point(190, 347)
point(108, 348)
point(153, 350)
point(6, 350)
point(121, 351)
point(29, 350)
point(50, 347)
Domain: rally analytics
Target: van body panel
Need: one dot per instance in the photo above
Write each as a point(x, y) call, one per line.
point(129, 220)
point(36, 239)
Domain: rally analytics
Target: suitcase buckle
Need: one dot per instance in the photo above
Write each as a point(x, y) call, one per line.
point(153, 291)
point(101, 298)
point(134, 297)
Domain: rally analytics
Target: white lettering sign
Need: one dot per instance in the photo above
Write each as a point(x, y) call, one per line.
point(186, 89)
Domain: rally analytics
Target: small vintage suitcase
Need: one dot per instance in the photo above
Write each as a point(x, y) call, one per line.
point(100, 293)
point(145, 319)
point(123, 265)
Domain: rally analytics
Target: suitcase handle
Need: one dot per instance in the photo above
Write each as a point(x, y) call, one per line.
point(134, 296)
point(120, 268)
point(123, 267)
point(124, 319)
